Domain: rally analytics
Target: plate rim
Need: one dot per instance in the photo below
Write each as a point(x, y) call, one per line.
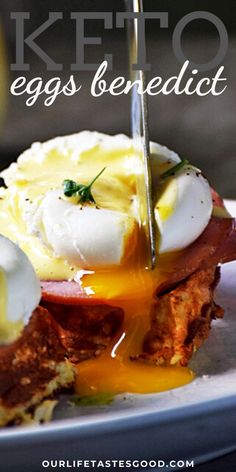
point(118, 420)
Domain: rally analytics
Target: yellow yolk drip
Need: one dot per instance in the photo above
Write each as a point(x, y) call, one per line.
point(116, 370)
point(167, 200)
point(220, 212)
point(119, 375)
point(9, 330)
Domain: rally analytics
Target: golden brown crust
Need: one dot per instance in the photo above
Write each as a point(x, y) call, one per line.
point(32, 368)
point(39, 363)
point(85, 330)
point(181, 319)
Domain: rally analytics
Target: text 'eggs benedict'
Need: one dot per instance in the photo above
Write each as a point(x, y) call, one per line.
point(90, 254)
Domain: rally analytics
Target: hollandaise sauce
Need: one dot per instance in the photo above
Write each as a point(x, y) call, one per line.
point(8, 329)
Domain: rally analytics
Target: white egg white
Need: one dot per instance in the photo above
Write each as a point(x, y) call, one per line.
point(84, 235)
point(187, 198)
point(23, 291)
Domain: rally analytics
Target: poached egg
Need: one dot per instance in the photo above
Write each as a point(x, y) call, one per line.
point(85, 236)
point(57, 233)
point(20, 291)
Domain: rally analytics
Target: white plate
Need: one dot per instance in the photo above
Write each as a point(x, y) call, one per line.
point(197, 421)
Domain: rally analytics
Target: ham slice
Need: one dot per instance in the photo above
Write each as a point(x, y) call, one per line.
point(65, 292)
point(217, 244)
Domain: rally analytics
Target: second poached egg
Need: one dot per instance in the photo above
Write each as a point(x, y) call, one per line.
point(20, 291)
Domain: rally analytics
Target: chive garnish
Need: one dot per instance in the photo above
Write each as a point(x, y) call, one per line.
point(174, 169)
point(71, 188)
point(104, 398)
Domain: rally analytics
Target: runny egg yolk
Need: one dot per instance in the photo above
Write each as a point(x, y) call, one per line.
point(116, 370)
point(128, 286)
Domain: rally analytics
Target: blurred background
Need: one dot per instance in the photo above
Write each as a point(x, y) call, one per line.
point(202, 129)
